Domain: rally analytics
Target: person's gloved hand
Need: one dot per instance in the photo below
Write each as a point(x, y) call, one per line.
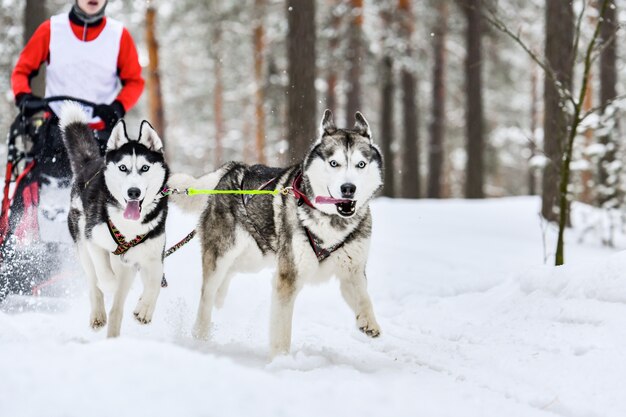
point(29, 103)
point(109, 113)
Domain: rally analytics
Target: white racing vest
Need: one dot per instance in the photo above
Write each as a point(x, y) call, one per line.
point(86, 70)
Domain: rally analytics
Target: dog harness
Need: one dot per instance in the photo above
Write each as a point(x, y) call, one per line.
point(122, 245)
point(320, 252)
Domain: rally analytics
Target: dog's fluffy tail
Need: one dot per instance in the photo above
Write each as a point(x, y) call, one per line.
point(193, 203)
point(78, 139)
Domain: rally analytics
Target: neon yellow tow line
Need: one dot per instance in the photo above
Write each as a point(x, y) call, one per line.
point(195, 191)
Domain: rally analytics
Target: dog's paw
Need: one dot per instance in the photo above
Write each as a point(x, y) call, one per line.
point(201, 332)
point(143, 312)
point(369, 327)
point(98, 321)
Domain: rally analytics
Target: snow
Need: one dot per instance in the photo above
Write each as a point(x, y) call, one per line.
point(474, 324)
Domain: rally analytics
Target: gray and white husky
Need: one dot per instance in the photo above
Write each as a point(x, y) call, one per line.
point(117, 214)
point(323, 231)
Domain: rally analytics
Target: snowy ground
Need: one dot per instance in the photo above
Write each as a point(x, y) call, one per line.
point(473, 325)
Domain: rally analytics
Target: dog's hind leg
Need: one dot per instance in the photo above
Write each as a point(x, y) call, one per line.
point(222, 290)
point(354, 290)
point(98, 316)
point(217, 269)
point(214, 273)
point(286, 288)
point(124, 277)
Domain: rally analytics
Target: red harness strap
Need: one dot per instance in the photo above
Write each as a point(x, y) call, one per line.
point(297, 193)
point(122, 245)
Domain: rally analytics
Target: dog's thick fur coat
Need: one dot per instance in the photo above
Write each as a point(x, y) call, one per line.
point(122, 187)
point(241, 233)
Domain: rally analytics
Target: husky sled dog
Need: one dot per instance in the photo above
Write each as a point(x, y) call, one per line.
point(324, 231)
point(117, 214)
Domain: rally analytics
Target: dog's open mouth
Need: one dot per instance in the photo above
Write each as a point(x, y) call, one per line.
point(345, 207)
point(132, 210)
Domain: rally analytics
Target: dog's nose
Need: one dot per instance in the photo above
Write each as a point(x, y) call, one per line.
point(134, 193)
point(347, 190)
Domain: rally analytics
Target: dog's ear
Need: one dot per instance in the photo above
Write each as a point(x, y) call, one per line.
point(149, 138)
point(118, 136)
point(361, 126)
point(327, 126)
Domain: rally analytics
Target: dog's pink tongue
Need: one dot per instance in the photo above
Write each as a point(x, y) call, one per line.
point(133, 211)
point(330, 200)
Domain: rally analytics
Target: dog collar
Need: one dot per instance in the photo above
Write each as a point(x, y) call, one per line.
point(122, 245)
point(297, 193)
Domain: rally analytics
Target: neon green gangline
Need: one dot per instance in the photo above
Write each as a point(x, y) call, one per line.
point(194, 191)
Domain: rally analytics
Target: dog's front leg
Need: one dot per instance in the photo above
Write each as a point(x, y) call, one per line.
point(353, 283)
point(151, 273)
point(125, 276)
point(286, 288)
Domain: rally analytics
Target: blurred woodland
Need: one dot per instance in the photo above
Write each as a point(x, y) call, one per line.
point(466, 98)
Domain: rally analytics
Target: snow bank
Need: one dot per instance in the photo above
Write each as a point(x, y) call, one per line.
point(473, 325)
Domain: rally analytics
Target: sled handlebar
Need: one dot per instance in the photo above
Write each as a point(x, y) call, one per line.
point(53, 99)
point(43, 104)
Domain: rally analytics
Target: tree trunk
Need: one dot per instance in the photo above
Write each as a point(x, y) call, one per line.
point(559, 57)
point(474, 112)
point(354, 58)
point(386, 124)
point(34, 15)
point(532, 180)
point(333, 44)
point(218, 95)
point(410, 184)
point(437, 125)
point(155, 99)
point(301, 95)
point(586, 176)
point(568, 144)
point(259, 96)
point(608, 178)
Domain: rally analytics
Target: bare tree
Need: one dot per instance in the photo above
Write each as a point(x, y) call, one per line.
point(35, 13)
point(608, 81)
point(386, 123)
point(218, 92)
point(354, 57)
point(387, 100)
point(564, 123)
point(155, 98)
point(474, 111)
point(435, 150)
point(532, 180)
point(559, 57)
point(410, 184)
point(259, 95)
point(301, 96)
point(333, 44)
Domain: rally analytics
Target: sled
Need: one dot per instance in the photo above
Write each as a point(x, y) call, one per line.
point(36, 252)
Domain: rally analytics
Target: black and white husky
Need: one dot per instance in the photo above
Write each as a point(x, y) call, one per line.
point(323, 231)
point(117, 214)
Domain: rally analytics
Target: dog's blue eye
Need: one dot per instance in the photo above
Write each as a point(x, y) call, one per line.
point(145, 168)
point(334, 163)
point(123, 168)
point(361, 165)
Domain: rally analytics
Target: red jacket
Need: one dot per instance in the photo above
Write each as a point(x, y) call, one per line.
point(37, 50)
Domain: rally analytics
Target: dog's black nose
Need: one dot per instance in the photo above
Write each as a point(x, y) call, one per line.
point(134, 193)
point(347, 190)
